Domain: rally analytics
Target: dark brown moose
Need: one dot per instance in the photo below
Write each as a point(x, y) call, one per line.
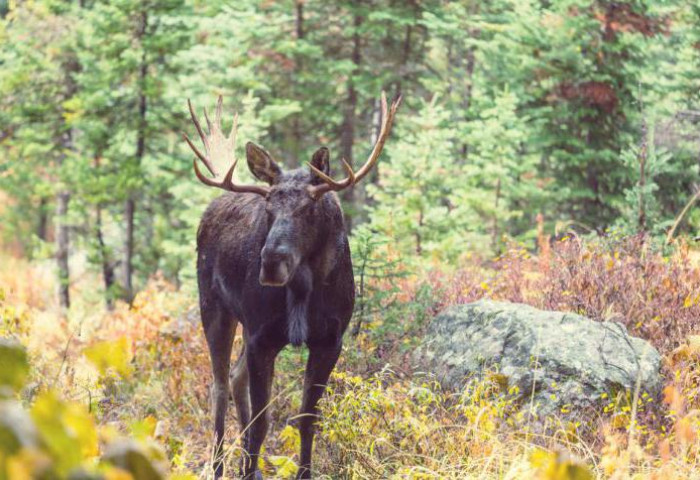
point(276, 259)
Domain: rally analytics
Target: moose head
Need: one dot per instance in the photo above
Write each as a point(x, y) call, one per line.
point(291, 197)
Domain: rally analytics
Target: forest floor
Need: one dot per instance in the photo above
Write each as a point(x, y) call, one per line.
point(143, 371)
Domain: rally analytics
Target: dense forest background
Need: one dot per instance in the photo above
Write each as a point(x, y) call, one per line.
point(517, 116)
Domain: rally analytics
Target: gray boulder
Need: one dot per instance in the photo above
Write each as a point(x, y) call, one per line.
point(561, 361)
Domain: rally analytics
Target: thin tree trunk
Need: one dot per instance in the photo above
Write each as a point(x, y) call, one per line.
point(467, 99)
point(419, 238)
point(494, 240)
point(42, 224)
point(642, 214)
point(130, 204)
point(405, 56)
point(105, 259)
point(129, 208)
point(63, 248)
point(471, 63)
point(347, 137)
point(297, 131)
point(63, 196)
point(300, 19)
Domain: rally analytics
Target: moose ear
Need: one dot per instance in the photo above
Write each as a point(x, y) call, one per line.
point(320, 160)
point(261, 163)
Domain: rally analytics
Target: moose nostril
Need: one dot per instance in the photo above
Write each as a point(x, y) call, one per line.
point(275, 254)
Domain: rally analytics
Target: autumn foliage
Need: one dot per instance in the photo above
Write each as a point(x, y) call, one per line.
point(141, 371)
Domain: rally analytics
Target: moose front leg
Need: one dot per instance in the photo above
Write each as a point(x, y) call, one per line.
point(318, 368)
point(261, 367)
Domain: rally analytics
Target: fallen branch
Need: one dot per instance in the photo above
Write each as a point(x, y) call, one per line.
point(669, 237)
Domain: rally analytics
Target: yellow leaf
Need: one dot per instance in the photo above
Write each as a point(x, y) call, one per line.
point(115, 473)
point(111, 354)
point(290, 439)
point(144, 428)
point(17, 469)
point(558, 466)
point(27, 464)
point(14, 366)
point(67, 430)
point(182, 476)
point(284, 466)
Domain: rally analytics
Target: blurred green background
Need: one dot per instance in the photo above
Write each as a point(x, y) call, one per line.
point(518, 115)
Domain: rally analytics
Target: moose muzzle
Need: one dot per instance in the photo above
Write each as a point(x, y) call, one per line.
point(276, 266)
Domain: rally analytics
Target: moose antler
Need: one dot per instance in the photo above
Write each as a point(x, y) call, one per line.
point(316, 191)
point(220, 153)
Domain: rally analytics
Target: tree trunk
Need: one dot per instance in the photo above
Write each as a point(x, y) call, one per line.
point(300, 19)
point(419, 238)
point(297, 130)
point(347, 137)
point(42, 224)
point(642, 214)
point(495, 241)
point(65, 143)
point(471, 63)
point(105, 259)
point(63, 248)
point(130, 204)
point(129, 208)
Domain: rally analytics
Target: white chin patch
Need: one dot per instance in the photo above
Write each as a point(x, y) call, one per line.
point(276, 275)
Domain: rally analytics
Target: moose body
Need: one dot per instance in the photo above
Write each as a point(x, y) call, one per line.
point(313, 308)
point(276, 259)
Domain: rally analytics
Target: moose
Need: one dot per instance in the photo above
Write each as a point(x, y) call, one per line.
point(275, 258)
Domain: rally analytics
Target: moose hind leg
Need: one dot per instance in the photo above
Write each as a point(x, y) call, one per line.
point(219, 330)
point(321, 362)
point(241, 398)
point(239, 390)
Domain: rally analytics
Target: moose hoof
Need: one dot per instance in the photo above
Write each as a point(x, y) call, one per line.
point(303, 473)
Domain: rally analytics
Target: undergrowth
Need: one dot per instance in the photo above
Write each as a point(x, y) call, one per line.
point(142, 371)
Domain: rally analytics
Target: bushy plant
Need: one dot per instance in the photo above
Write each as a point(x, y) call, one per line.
point(55, 439)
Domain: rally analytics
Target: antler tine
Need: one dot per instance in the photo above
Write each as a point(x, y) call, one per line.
point(205, 180)
point(203, 137)
point(196, 151)
point(219, 107)
point(206, 117)
point(387, 120)
point(216, 143)
point(329, 184)
point(336, 185)
point(195, 120)
point(234, 130)
point(227, 181)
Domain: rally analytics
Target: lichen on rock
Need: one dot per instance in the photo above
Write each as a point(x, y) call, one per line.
point(557, 360)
